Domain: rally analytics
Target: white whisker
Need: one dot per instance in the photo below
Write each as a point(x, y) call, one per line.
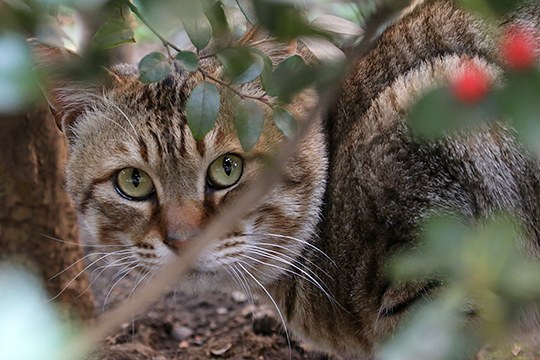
point(82, 245)
point(272, 300)
point(242, 284)
point(124, 115)
point(311, 263)
point(307, 243)
point(101, 269)
point(125, 272)
point(303, 274)
point(78, 261)
point(278, 257)
point(141, 279)
point(79, 274)
point(109, 102)
point(120, 126)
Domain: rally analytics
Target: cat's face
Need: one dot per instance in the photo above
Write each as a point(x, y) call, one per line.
point(139, 178)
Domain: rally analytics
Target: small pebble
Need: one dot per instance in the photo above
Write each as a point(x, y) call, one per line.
point(222, 311)
point(265, 325)
point(184, 344)
point(181, 333)
point(248, 310)
point(197, 340)
point(220, 350)
point(239, 296)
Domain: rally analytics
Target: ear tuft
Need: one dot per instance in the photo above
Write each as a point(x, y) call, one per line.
point(260, 39)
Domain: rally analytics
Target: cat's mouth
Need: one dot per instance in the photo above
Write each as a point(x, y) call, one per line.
point(196, 273)
point(179, 246)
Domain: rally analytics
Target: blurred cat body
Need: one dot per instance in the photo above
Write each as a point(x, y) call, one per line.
point(356, 191)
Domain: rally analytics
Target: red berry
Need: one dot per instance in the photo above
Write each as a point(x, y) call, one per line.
point(471, 85)
point(519, 47)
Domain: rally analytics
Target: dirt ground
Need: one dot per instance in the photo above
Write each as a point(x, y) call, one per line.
point(224, 326)
point(208, 326)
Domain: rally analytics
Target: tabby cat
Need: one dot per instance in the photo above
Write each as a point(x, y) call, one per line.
point(356, 190)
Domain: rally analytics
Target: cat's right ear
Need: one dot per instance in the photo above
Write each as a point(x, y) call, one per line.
point(275, 50)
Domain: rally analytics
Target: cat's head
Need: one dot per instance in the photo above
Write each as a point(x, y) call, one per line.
point(140, 180)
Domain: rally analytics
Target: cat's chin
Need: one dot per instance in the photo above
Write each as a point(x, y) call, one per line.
point(197, 281)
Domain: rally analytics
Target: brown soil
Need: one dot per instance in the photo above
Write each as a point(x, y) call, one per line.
point(225, 326)
point(208, 326)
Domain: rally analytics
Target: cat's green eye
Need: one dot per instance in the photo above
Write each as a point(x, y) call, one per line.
point(225, 171)
point(134, 184)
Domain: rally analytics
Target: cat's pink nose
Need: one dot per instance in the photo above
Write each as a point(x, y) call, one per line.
point(183, 221)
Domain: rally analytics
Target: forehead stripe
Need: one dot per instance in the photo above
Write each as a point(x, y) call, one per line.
point(143, 149)
point(201, 147)
point(89, 193)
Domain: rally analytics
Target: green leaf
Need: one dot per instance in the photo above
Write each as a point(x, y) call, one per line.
point(433, 330)
point(283, 20)
point(439, 113)
point(520, 101)
point(289, 77)
point(216, 15)
point(482, 257)
point(490, 8)
point(246, 6)
point(337, 25)
point(441, 235)
point(328, 74)
point(27, 313)
point(236, 21)
point(267, 74)
point(249, 121)
point(285, 122)
point(113, 33)
point(18, 86)
point(154, 67)
point(202, 109)
point(198, 29)
point(241, 64)
point(187, 60)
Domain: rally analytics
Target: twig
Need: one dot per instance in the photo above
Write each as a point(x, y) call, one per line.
point(240, 94)
point(171, 273)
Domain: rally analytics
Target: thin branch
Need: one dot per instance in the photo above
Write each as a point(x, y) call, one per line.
point(229, 86)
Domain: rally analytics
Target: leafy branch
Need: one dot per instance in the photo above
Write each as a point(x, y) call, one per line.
point(242, 63)
point(241, 95)
point(169, 45)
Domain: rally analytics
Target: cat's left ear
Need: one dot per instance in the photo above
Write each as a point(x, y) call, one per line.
point(51, 63)
point(67, 98)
